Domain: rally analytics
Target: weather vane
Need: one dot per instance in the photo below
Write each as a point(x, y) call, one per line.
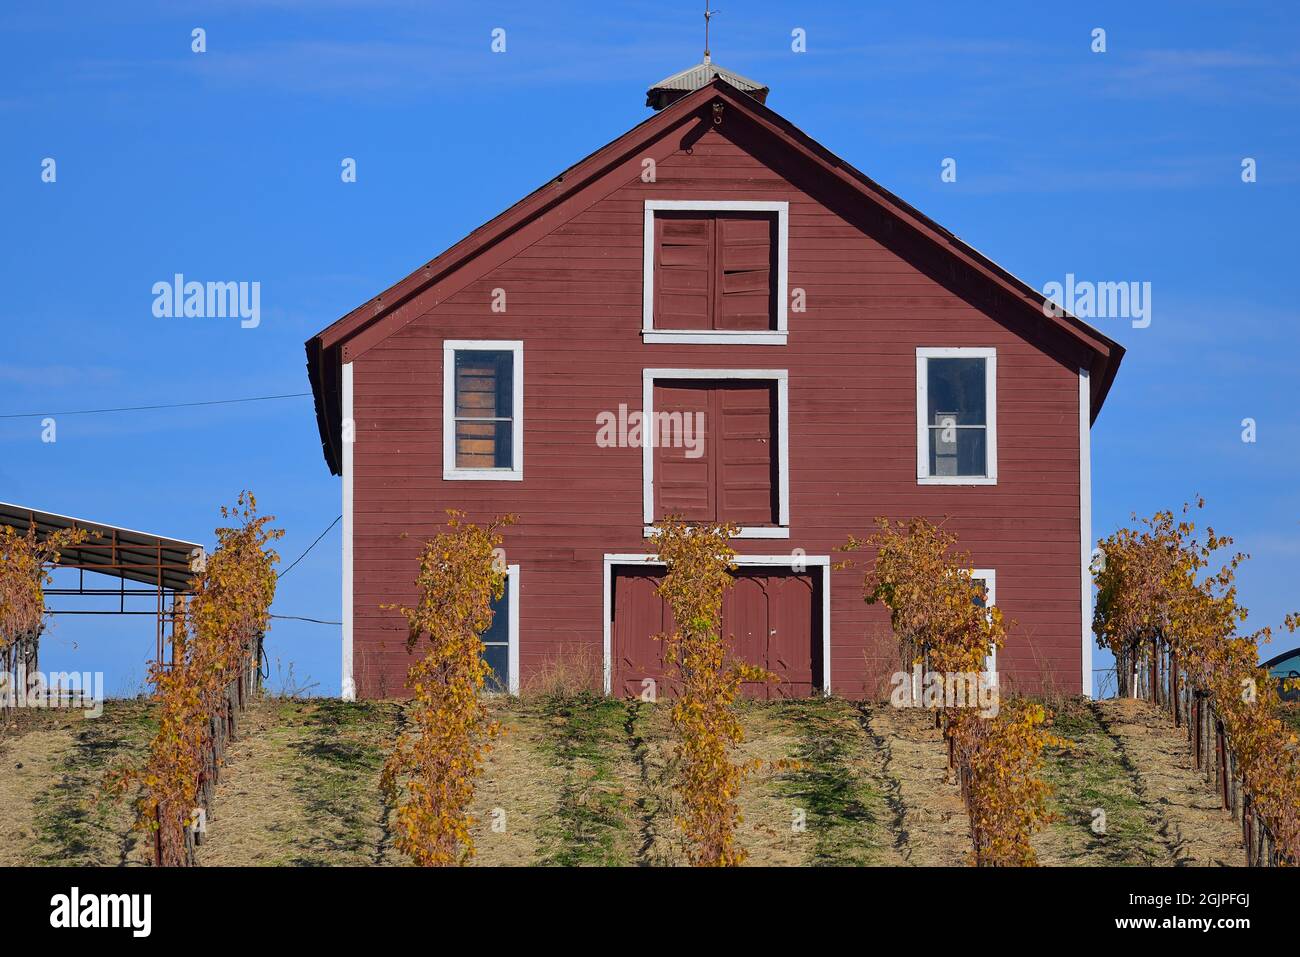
point(708, 15)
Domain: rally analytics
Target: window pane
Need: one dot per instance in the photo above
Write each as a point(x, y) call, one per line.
point(498, 659)
point(499, 631)
point(956, 390)
point(496, 641)
point(484, 384)
point(957, 451)
point(483, 445)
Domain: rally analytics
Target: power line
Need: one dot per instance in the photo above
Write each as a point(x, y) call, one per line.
point(314, 621)
point(309, 548)
point(146, 408)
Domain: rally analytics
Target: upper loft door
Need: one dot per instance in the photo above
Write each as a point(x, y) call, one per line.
point(715, 456)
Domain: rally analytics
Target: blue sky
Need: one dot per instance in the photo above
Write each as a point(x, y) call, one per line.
point(1123, 165)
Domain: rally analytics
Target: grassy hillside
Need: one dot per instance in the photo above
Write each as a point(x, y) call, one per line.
point(584, 780)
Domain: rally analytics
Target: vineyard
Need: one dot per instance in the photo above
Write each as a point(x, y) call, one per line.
point(1194, 763)
point(584, 780)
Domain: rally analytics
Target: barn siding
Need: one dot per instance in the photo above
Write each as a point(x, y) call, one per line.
point(575, 297)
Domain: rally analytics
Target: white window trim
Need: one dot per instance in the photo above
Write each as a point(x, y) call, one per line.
point(923, 355)
point(449, 470)
point(781, 377)
point(809, 562)
point(773, 337)
point(512, 646)
point(989, 577)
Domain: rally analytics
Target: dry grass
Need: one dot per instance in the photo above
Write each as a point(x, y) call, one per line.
point(768, 818)
point(930, 821)
point(595, 815)
point(1189, 820)
point(573, 671)
point(839, 786)
point(27, 765)
point(301, 786)
point(660, 841)
point(1094, 777)
point(53, 809)
point(518, 793)
point(579, 779)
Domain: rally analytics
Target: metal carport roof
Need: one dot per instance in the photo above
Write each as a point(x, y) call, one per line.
point(168, 563)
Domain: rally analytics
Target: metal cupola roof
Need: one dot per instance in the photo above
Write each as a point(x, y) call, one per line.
point(673, 88)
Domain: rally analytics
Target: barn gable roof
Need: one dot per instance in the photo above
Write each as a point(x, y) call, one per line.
point(595, 176)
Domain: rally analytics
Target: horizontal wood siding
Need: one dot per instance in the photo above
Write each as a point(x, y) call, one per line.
point(873, 296)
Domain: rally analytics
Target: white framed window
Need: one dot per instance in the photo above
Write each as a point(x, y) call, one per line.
point(501, 640)
point(483, 409)
point(988, 577)
point(956, 416)
point(716, 272)
point(726, 478)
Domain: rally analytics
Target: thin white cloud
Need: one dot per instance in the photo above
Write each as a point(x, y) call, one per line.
point(57, 376)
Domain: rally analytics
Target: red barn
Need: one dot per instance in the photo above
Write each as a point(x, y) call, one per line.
point(805, 352)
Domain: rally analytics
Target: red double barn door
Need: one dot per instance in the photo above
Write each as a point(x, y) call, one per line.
point(715, 451)
point(770, 617)
point(715, 270)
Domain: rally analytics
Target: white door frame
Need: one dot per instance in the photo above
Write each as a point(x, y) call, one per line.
point(809, 562)
point(782, 379)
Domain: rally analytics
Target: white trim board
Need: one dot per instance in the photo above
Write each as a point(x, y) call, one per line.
point(348, 690)
point(782, 379)
point(512, 632)
point(512, 649)
point(989, 577)
point(1085, 526)
point(770, 337)
point(449, 470)
point(990, 355)
point(749, 531)
point(809, 562)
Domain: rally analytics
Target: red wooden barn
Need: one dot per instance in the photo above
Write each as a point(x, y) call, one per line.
point(807, 351)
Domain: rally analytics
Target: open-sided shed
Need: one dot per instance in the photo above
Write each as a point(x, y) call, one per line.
point(145, 566)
